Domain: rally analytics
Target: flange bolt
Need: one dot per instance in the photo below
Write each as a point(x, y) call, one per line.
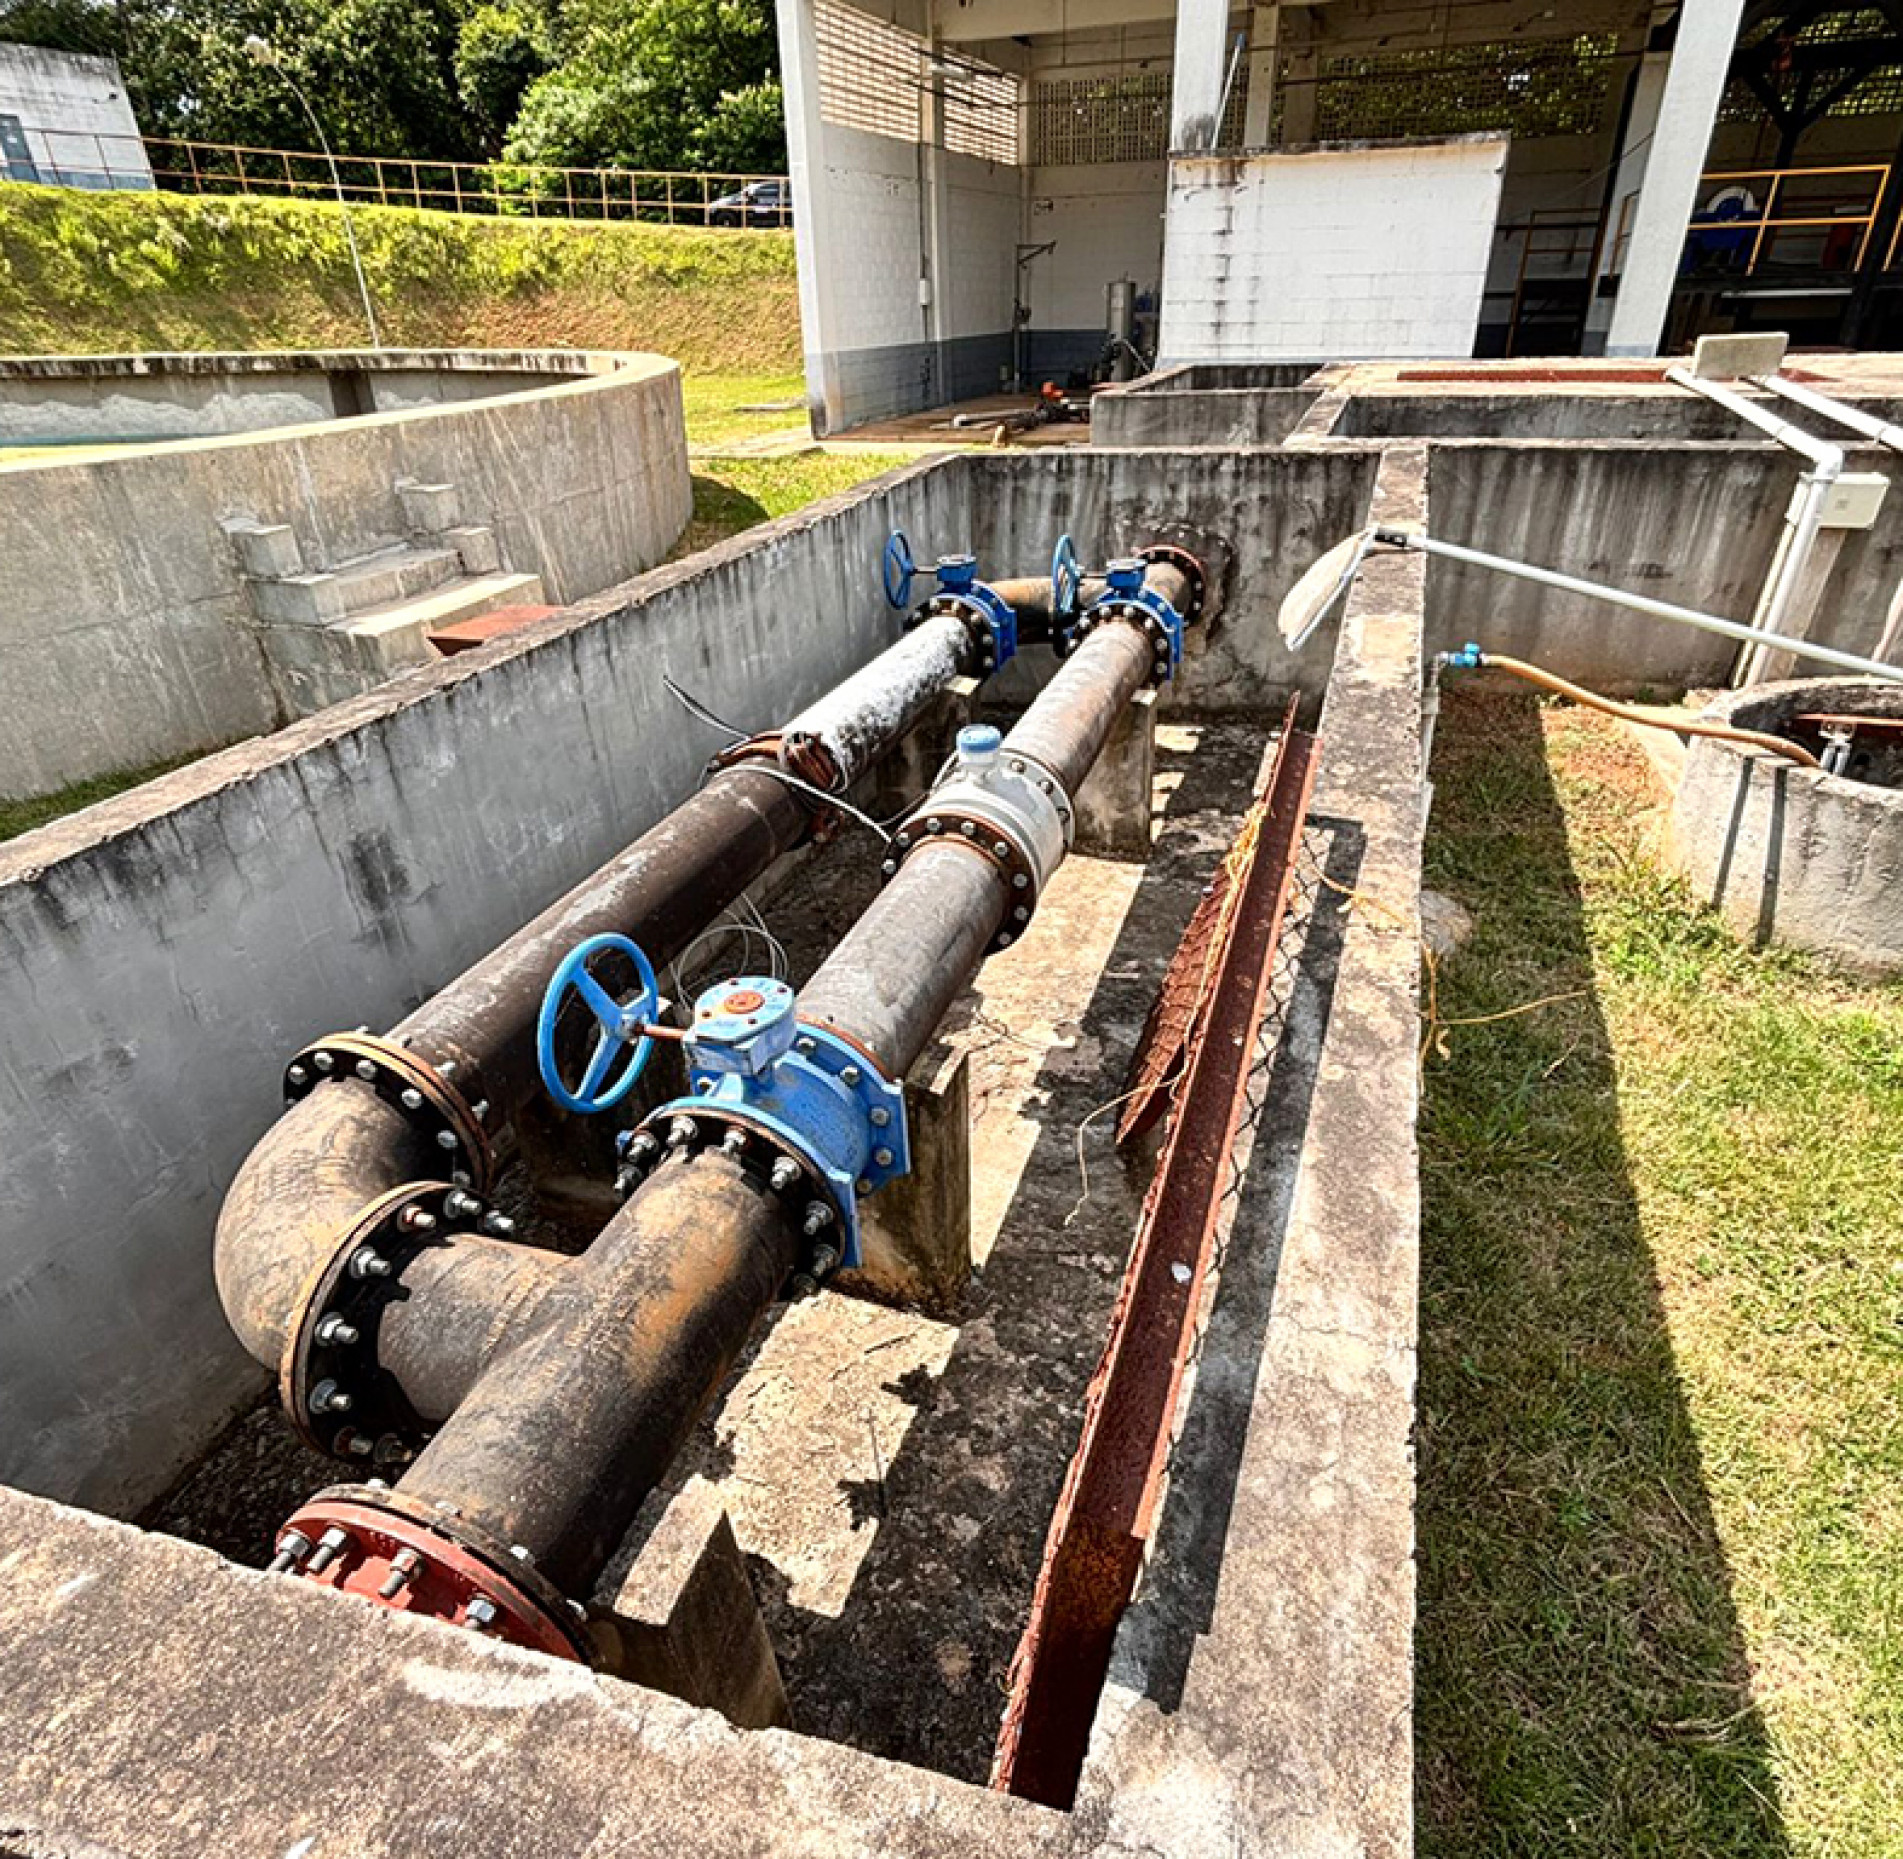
point(366, 1262)
point(680, 1132)
point(411, 1099)
point(818, 1216)
point(416, 1220)
point(296, 1075)
point(336, 1333)
point(786, 1171)
point(293, 1547)
point(480, 1614)
point(405, 1566)
point(445, 1139)
point(328, 1398)
point(366, 1071)
point(460, 1205)
point(497, 1226)
point(330, 1546)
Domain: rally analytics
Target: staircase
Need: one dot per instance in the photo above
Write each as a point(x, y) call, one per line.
point(331, 633)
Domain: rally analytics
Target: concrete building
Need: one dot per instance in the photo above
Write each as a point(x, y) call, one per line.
point(988, 190)
point(65, 121)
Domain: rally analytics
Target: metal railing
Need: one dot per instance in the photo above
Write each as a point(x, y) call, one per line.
point(1778, 219)
point(527, 190)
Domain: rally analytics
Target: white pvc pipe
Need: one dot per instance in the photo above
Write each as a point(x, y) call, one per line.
point(1827, 464)
point(1854, 419)
point(1641, 603)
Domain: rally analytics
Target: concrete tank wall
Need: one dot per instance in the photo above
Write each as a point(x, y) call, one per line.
point(71, 399)
point(1692, 524)
point(1789, 854)
point(163, 954)
point(126, 635)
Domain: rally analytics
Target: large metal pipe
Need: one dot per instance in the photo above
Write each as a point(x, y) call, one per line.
point(565, 1433)
point(339, 1148)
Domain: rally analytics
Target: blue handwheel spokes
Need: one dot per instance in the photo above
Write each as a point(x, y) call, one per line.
point(899, 568)
point(620, 1024)
point(1067, 578)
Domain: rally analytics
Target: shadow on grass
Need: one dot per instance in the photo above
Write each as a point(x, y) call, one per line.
point(1581, 1684)
point(720, 510)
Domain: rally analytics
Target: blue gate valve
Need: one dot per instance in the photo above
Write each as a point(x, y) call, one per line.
point(754, 1065)
point(623, 1026)
point(1128, 597)
point(960, 590)
point(1067, 582)
point(897, 567)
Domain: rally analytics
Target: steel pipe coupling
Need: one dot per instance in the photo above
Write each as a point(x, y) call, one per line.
point(1006, 806)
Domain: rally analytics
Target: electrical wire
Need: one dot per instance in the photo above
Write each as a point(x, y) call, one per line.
point(694, 707)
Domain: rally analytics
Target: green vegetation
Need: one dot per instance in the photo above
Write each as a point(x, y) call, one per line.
point(97, 273)
point(736, 493)
point(723, 408)
point(1661, 1423)
point(591, 83)
point(22, 816)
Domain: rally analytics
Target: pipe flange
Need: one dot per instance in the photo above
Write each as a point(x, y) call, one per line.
point(991, 841)
point(775, 1164)
point(340, 1398)
point(1165, 647)
point(1190, 567)
point(413, 1558)
point(418, 1089)
point(980, 622)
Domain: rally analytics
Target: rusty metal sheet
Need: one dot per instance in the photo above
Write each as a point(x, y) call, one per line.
point(1158, 1060)
point(1101, 1527)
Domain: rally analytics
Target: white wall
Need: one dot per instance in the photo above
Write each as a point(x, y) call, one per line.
point(986, 205)
point(1352, 251)
point(80, 129)
point(1108, 223)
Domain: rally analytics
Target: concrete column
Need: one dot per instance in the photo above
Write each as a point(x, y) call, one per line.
point(1688, 108)
point(1265, 41)
point(1642, 118)
point(822, 274)
point(1202, 31)
point(1301, 71)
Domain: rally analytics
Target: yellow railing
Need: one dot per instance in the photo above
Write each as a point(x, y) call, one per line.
point(526, 189)
point(1831, 214)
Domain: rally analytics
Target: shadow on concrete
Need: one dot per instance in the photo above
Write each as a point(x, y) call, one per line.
point(914, 1667)
point(1581, 1680)
point(1177, 1605)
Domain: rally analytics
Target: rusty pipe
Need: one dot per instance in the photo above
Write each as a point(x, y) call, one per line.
point(565, 1431)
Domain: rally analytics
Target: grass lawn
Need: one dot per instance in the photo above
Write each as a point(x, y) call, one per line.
point(22, 816)
point(724, 407)
point(1661, 1422)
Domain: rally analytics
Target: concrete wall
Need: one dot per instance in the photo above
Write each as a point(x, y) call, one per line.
point(79, 126)
point(1692, 524)
point(1671, 414)
point(1351, 251)
point(1107, 220)
point(1168, 409)
point(72, 399)
point(161, 955)
point(125, 632)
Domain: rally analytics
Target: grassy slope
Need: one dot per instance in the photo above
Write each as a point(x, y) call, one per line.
point(98, 273)
point(1661, 1422)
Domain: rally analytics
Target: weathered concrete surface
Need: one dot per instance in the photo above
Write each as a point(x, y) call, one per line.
point(1113, 805)
point(1790, 854)
point(1693, 523)
point(162, 1704)
point(161, 955)
point(110, 398)
point(915, 1235)
point(1261, 1697)
point(1149, 413)
point(125, 634)
point(1449, 413)
point(684, 1619)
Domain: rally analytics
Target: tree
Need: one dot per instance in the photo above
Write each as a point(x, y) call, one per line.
point(658, 84)
point(500, 51)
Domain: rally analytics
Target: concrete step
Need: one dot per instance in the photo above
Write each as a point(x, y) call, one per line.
point(316, 666)
point(399, 630)
point(392, 575)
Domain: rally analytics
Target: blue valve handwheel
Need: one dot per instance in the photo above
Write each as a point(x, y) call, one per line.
point(1067, 578)
point(899, 568)
point(620, 1026)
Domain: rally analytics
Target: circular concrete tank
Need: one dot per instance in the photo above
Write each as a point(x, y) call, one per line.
point(1791, 854)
